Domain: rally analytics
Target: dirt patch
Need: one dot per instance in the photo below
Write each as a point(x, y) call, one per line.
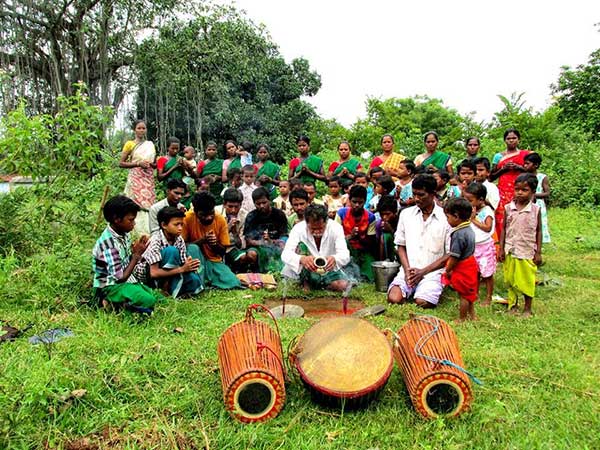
point(318, 306)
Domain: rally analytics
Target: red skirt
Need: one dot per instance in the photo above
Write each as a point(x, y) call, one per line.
point(464, 279)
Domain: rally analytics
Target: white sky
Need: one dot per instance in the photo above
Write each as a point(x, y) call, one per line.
point(462, 51)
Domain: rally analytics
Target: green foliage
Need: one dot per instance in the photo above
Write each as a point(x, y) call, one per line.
point(55, 148)
point(578, 95)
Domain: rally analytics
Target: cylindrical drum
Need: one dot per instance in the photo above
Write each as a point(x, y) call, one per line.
point(343, 361)
point(427, 353)
point(251, 365)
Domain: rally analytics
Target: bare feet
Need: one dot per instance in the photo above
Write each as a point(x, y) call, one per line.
point(514, 311)
point(527, 314)
point(486, 302)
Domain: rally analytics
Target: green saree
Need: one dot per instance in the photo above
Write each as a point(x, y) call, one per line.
point(270, 169)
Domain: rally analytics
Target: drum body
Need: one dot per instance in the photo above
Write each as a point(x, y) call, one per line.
point(252, 377)
point(344, 361)
point(435, 389)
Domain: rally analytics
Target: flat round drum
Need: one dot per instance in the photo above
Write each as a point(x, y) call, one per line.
point(344, 361)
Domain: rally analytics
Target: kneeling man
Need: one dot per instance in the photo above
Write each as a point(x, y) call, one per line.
point(316, 237)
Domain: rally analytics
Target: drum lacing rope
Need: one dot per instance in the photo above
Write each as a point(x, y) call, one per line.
point(435, 323)
point(260, 346)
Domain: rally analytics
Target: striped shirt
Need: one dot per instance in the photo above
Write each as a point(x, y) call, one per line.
point(111, 256)
point(152, 254)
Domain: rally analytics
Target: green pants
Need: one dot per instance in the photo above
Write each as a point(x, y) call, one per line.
point(215, 274)
point(136, 294)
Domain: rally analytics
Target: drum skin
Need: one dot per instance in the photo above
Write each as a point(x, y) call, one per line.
point(252, 377)
point(343, 361)
point(435, 389)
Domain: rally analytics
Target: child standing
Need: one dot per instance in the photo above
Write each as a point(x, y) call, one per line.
point(443, 191)
point(461, 268)
point(533, 161)
point(482, 222)
point(521, 242)
point(406, 173)
point(115, 257)
point(282, 201)
point(466, 173)
point(334, 200)
point(482, 173)
point(384, 185)
point(248, 186)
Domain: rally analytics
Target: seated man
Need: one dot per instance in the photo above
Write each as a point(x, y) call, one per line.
point(299, 201)
point(114, 258)
point(422, 237)
point(207, 237)
point(316, 236)
point(237, 257)
point(359, 228)
point(266, 229)
point(165, 262)
point(175, 191)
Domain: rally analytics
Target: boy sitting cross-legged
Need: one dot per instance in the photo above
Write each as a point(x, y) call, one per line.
point(115, 257)
point(165, 262)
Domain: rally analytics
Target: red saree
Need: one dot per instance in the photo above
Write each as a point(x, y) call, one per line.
point(506, 184)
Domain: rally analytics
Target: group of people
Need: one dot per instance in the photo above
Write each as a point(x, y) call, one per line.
point(226, 216)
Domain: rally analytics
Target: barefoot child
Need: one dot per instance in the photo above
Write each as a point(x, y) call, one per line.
point(165, 262)
point(386, 227)
point(521, 242)
point(482, 173)
point(282, 201)
point(115, 257)
point(461, 268)
point(406, 173)
point(482, 222)
point(334, 200)
point(533, 161)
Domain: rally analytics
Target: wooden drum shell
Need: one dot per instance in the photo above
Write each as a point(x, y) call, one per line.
point(250, 362)
point(435, 389)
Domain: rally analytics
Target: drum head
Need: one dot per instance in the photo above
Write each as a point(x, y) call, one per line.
point(344, 356)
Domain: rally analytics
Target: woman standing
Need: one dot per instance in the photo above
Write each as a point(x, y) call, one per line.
point(268, 172)
point(345, 167)
point(212, 166)
point(434, 158)
point(388, 160)
point(307, 167)
point(138, 157)
point(506, 167)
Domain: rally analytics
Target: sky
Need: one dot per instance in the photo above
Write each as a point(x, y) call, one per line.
point(464, 52)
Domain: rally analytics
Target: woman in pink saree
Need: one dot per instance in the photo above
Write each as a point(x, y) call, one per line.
point(506, 167)
point(138, 157)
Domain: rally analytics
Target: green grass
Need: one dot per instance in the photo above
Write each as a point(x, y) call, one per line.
point(149, 387)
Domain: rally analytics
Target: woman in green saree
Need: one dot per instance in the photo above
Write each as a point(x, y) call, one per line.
point(307, 167)
point(212, 166)
point(345, 167)
point(434, 158)
point(268, 172)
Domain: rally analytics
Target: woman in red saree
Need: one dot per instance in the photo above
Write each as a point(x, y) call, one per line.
point(506, 167)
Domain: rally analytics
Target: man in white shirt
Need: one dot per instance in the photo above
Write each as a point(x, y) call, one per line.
point(423, 238)
point(175, 192)
point(319, 239)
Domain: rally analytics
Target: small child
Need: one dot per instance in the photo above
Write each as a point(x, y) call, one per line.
point(482, 173)
point(234, 179)
point(282, 201)
point(533, 161)
point(115, 257)
point(521, 243)
point(189, 162)
point(384, 185)
point(466, 173)
point(483, 224)
point(299, 202)
point(165, 262)
point(361, 179)
point(334, 200)
point(443, 191)
point(248, 186)
point(374, 174)
point(386, 227)
point(461, 268)
point(406, 173)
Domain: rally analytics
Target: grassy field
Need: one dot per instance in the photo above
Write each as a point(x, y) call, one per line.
point(149, 387)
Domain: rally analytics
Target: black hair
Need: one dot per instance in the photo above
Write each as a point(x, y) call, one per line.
point(263, 145)
point(333, 179)
point(295, 181)
point(203, 201)
point(300, 194)
point(137, 122)
point(232, 195)
point(228, 141)
point(512, 130)
point(528, 178)
point(360, 175)
point(469, 139)
point(387, 203)
point(478, 190)
point(358, 191)
point(315, 212)
point(309, 183)
point(386, 182)
point(167, 213)
point(347, 143)
point(248, 146)
point(387, 135)
point(483, 161)
point(425, 182)
point(232, 172)
point(303, 138)
point(211, 144)
point(458, 206)
point(376, 169)
point(258, 193)
point(174, 183)
point(534, 158)
point(284, 181)
point(118, 207)
point(444, 175)
point(435, 135)
point(248, 168)
point(409, 165)
point(172, 140)
point(467, 163)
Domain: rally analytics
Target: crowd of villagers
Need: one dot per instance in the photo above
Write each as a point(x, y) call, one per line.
point(229, 216)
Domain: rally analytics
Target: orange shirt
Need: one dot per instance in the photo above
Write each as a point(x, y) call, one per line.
point(194, 230)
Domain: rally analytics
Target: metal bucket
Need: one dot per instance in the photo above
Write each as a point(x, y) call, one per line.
point(385, 271)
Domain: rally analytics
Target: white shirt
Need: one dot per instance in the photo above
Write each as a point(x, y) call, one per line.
point(247, 190)
point(153, 214)
point(480, 235)
point(493, 194)
point(333, 243)
point(425, 242)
